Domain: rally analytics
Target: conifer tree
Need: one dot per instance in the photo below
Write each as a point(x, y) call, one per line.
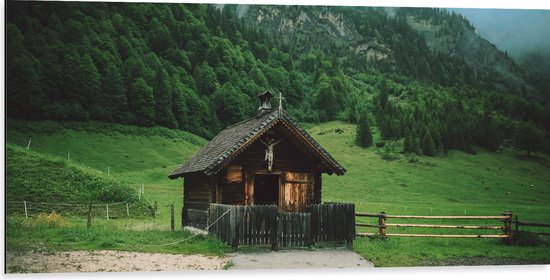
point(427, 144)
point(112, 85)
point(528, 138)
point(363, 135)
point(205, 79)
point(163, 99)
point(415, 145)
point(408, 141)
point(142, 103)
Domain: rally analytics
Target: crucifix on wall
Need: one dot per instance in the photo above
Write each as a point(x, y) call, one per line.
point(269, 144)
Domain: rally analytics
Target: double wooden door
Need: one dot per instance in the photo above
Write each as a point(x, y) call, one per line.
point(295, 191)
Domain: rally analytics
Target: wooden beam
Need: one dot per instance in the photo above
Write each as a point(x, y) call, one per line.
point(539, 233)
point(362, 214)
point(531, 224)
point(447, 217)
point(449, 235)
point(367, 225)
point(444, 226)
point(366, 234)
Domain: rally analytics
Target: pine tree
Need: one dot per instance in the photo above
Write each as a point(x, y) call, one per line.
point(415, 145)
point(142, 103)
point(363, 135)
point(205, 79)
point(408, 141)
point(163, 100)
point(179, 105)
point(529, 138)
point(112, 85)
point(427, 144)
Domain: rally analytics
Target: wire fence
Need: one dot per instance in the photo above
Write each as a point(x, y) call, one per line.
point(75, 156)
point(107, 211)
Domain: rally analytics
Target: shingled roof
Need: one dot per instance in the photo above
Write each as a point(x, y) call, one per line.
point(214, 156)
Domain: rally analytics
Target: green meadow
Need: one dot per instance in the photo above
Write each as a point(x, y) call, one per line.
point(457, 183)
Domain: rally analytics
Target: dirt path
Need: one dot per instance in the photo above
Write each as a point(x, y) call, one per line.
point(320, 258)
point(108, 261)
point(120, 261)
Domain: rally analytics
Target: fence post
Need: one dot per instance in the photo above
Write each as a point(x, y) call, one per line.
point(507, 225)
point(107, 206)
point(26, 214)
point(350, 218)
point(183, 217)
point(127, 210)
point(274, 234)
point(172, 224)
point(233, 240)
point(382, 224)
point(89, 224)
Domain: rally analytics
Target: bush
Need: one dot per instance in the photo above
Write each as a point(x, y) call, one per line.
point(391, 151)
point(50, 220)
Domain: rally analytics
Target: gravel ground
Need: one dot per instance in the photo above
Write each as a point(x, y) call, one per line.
point(320, 258)
point(108, 261)
point(120, 261)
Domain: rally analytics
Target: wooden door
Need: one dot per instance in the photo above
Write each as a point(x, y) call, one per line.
point(296, 191)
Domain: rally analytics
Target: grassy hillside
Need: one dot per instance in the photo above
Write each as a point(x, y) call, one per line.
point(133, 154)
point(458, 183)
point(478, 184)
point(34, 177)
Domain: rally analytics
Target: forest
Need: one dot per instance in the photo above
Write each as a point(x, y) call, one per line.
point(199, 68)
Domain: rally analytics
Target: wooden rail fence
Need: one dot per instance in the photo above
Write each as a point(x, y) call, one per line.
point(382, 225)
point(529, 224)
point(264, 224)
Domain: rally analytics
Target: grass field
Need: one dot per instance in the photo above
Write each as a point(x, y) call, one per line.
point(455, 184)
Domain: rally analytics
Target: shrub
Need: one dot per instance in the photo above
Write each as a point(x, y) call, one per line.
point(391, 151)
point(50, 220)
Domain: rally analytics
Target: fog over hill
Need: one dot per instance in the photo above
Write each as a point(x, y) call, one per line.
point(516, 31)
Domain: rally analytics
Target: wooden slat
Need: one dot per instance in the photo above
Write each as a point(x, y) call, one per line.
point(362, 214)
point(539, 233)
point(446, 217)
point(449, 235)
point(365, 234)
point(368, 225)
point(531, 224)
point(444, 226)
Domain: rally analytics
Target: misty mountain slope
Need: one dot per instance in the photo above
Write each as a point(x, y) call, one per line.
point(199, 68)
point(454, 35)
point(515, 31)
point(410, 41)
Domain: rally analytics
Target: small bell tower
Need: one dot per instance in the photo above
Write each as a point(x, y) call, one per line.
point(265, 102)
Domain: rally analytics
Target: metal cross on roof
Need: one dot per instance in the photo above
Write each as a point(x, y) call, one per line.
point(281, 103)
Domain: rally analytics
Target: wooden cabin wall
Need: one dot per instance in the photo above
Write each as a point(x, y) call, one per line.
point(231, 185)
point(288, 158)
point(317, 185)
point(197, 197)
point(300, 179)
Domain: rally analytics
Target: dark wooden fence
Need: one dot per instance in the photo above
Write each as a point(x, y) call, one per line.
point(263, 224)
point(519, 224)
point(382, 225)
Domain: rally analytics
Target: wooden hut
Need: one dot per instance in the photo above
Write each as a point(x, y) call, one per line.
point(267, 159)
